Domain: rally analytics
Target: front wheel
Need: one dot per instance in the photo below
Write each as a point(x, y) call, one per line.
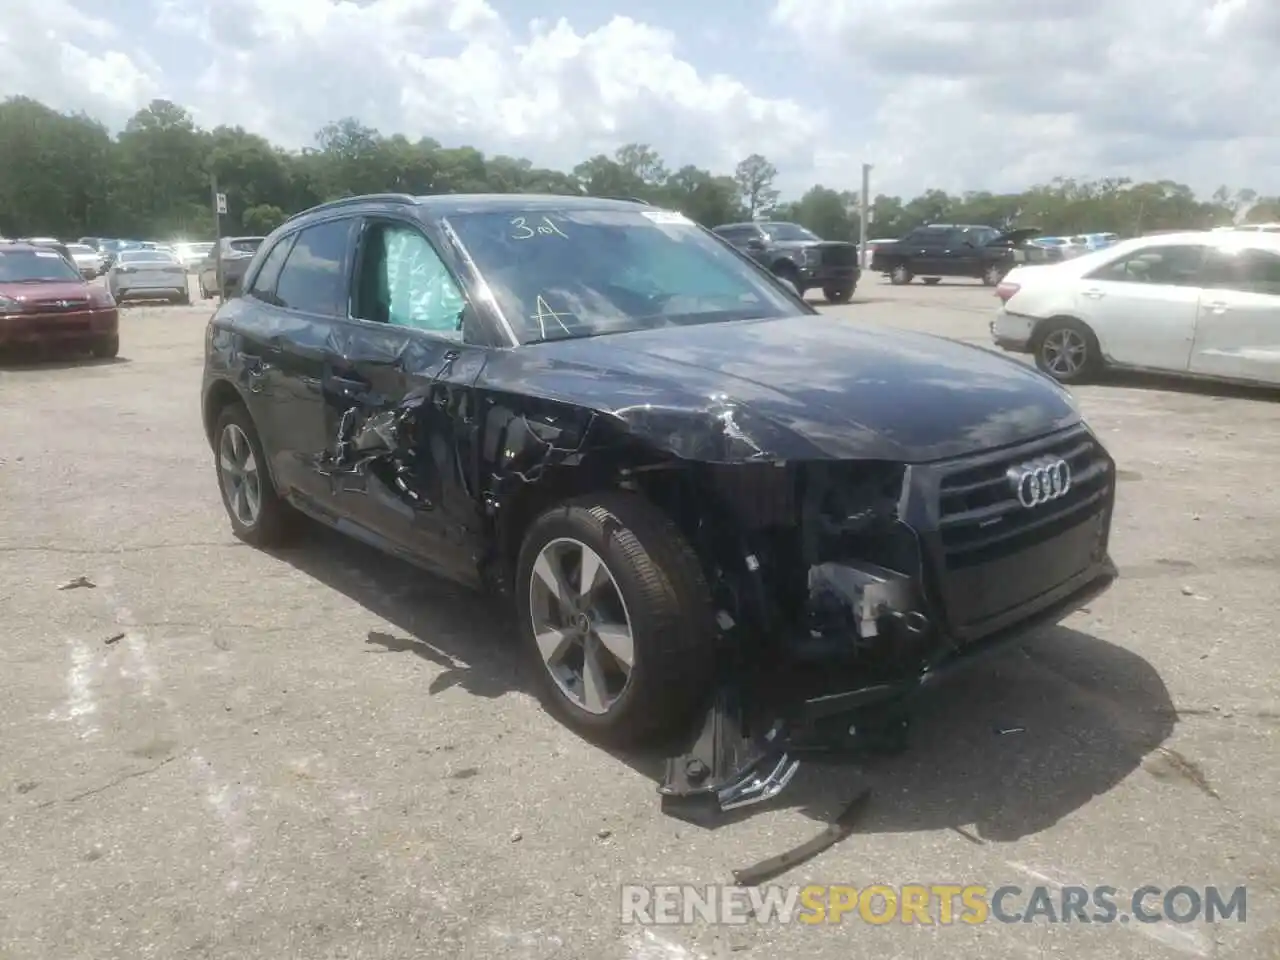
point(838, 294)
point(1067, 350)
point(900, 275)
point(617, 616)
point(107, 347)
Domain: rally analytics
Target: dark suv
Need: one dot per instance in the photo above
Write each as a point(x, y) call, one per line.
point(958, 250)
point(799, 256)
point(683, 478)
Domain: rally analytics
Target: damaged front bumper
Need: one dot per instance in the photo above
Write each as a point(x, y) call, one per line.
point(760, 724)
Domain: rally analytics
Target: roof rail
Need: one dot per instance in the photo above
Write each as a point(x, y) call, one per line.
point(404, 199)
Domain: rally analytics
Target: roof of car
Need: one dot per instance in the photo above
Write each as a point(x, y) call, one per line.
point(449, 204)
point(15, 245)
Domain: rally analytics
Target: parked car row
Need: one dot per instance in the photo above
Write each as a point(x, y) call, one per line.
point(1202, 304)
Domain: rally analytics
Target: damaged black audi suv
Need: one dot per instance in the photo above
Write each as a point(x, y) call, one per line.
point(713, 509)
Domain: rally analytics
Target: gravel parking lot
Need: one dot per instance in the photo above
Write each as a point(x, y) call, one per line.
point(216, 752)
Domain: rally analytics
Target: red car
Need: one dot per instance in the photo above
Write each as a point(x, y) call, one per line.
point(45, 302)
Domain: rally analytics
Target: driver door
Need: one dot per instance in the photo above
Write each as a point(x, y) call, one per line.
point(399, 401)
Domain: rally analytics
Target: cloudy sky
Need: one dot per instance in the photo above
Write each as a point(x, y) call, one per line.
point(960, 94)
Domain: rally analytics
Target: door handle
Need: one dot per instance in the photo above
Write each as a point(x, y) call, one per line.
point(1093, 294)
point(347, 386)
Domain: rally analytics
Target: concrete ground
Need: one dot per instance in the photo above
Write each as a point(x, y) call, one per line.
point(214, 752)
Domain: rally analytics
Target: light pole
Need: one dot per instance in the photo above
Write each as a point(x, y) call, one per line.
point(864, 215)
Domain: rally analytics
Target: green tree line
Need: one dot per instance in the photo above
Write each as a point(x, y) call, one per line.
point(66, 175)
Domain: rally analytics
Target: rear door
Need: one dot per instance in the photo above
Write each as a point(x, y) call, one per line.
point(399, 399)
point(292, 321)
point(1238, 326)
point(1143, 305)
point(928, 249)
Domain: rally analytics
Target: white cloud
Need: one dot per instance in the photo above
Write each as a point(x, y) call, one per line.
point(981, 94)
point(449, 69)
point(51, 51)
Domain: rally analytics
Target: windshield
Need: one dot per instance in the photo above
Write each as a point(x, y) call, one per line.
point(34, 266)
point(560, 274)
point(785, 232)
point(146, 256)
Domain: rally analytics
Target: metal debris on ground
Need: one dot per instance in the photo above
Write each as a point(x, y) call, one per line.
point(1005, 731)
point(78, 583)
point(776, 866)
point(114, 638)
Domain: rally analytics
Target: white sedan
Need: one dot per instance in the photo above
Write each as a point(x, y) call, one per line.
point(1203, 304)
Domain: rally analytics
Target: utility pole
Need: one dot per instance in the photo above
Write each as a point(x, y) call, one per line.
point(219, 208)
point(864, 216)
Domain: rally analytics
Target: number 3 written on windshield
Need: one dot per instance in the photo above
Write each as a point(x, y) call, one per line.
point(544, 228)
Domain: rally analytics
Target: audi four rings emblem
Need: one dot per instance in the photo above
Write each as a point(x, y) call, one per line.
point(1040, 481)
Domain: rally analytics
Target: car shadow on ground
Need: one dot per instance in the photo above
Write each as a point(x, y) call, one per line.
point(54, 360)
point(1204, 388)
point(1002, 750)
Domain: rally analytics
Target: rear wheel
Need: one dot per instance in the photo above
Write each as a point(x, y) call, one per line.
point(900, 275)
point(616, 614)
point(1067, 350)
point(838, 294)
point(993, 274)
point(258, 514)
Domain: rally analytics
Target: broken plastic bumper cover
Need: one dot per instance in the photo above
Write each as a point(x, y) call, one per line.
point(728, 767)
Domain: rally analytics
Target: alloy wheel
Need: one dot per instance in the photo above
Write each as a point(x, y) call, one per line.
point(1065, 352)
point(581, 625)
point(238, 473)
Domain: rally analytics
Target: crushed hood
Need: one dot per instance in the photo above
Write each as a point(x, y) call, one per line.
point(797, 388)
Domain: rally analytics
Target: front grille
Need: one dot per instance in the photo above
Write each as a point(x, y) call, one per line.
point(59, 306)
point(981, 519)
point(840, 255)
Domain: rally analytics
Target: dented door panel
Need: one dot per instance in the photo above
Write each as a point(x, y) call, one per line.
point(397, 414)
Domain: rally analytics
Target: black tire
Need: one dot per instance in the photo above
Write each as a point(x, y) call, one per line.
point(108, 347)
point(667, 602)
point(900, 274)
point(204, 291)
point(1049, 342)
point(183, 299)
point(275, 518)
point(993, 274)
point(932, 281)
point(838, 294)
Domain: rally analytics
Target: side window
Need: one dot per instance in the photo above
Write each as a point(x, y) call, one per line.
point(314, 279)
point(1177, 266)
point(405, 283)
point(1251, 271)
point(264, 284)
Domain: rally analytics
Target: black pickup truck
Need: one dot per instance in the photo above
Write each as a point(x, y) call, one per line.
point(959, 250)
point(799, 256)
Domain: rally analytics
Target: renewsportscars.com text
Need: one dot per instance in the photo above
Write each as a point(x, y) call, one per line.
point(929, 904)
